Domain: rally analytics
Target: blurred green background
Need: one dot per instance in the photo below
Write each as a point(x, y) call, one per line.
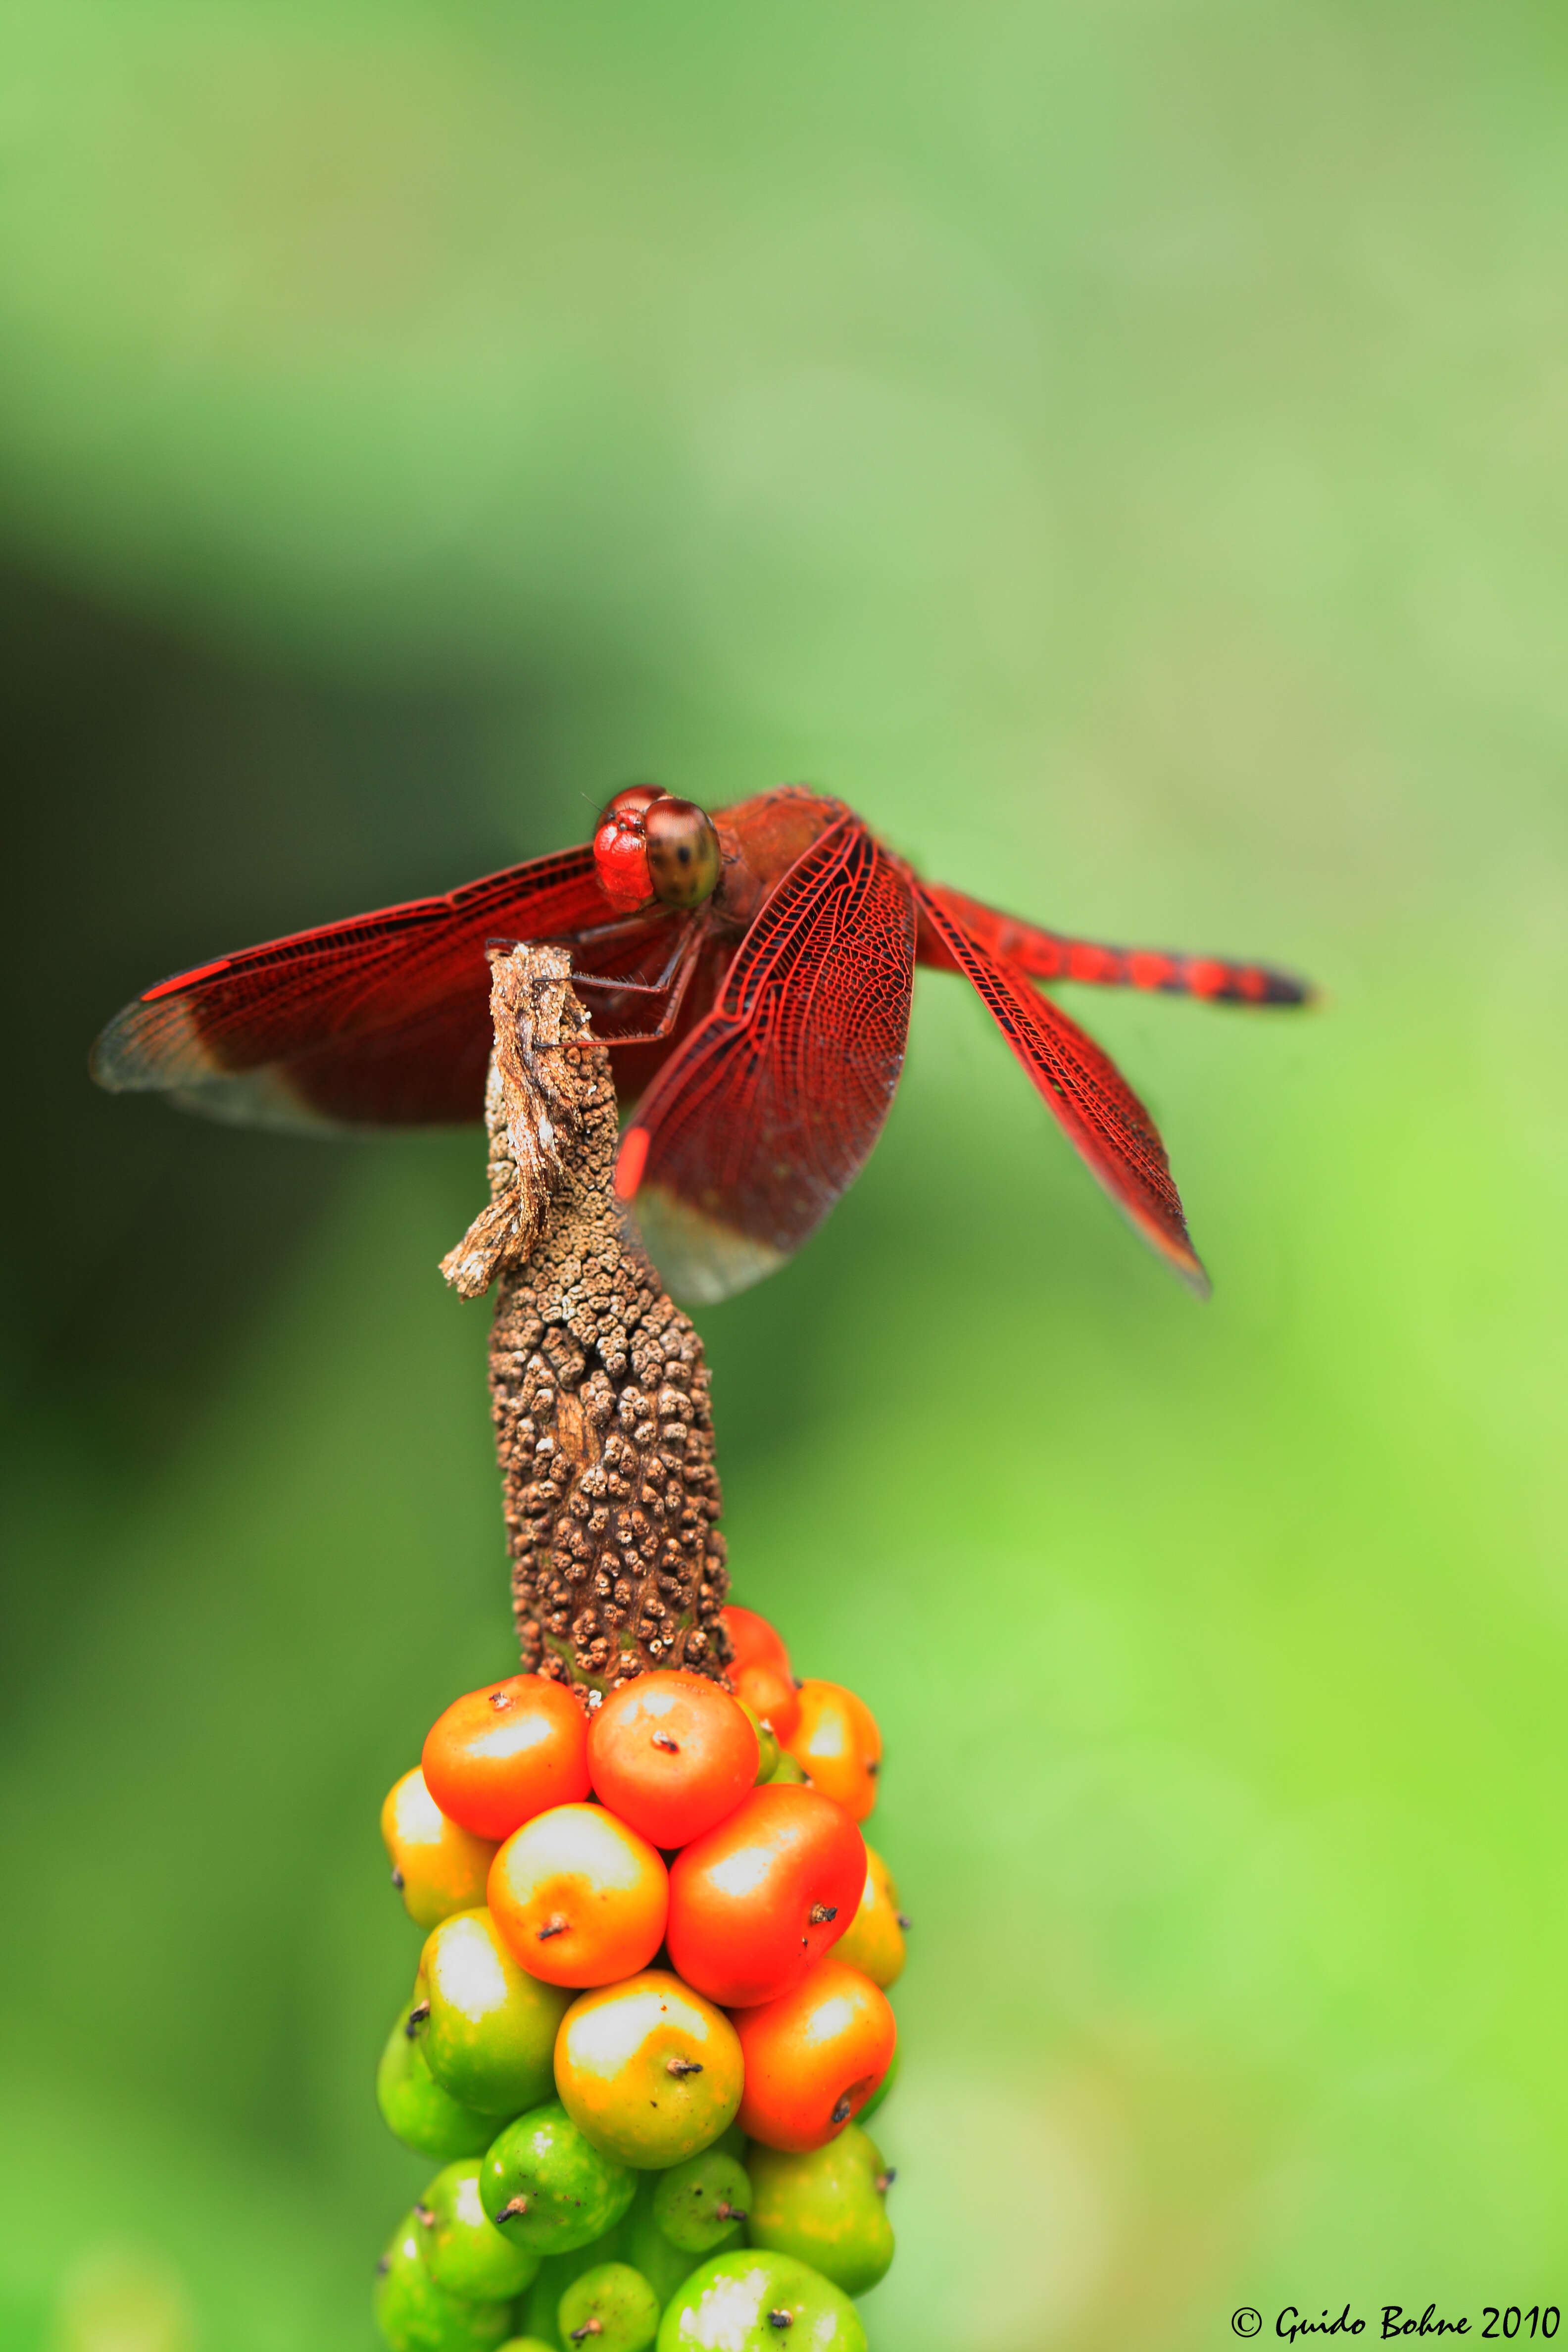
point(1123, 449)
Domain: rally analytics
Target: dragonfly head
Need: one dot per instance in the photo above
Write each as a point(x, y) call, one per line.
point(649, 848)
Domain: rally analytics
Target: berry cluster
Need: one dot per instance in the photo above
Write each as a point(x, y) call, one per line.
point(650, 2005)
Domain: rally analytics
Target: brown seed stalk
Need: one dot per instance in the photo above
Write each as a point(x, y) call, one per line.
point(598, 1388)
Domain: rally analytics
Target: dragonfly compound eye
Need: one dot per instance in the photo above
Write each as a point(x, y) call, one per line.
point(683, 853)
point(620, 849)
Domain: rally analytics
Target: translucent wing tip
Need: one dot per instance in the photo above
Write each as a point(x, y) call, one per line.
point(700, 1259)
point(157, 1047)
point(147, 1048)
point(1173, 1247)
point(1190, 1269)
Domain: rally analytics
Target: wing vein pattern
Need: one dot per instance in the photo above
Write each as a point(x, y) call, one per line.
point(756, 1125)
point(1091, 1100)
point(378, 1020)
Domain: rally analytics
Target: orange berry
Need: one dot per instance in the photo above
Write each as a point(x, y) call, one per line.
point(771, 1697)
point(765, 1894)
point(437, 1867)
point(837, 1745)
point(754, 1641)
point(874, 1940)
point(814, 2056)
point(760, 1670)
point(500, 1755)
point(579, 1896)
point(672, 1753)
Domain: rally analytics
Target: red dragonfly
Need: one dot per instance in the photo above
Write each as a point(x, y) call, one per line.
point(751, 973)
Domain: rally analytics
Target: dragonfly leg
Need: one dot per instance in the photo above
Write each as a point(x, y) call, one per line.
point(670, 985)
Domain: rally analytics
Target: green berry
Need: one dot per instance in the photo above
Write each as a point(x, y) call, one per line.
point(527, 2343)
point(788, 1774)
point(490, 2040)
point(550, 2188)
point(610, 2309)
point(464, 2252)
point(556, 2273)
point(415, 2107)
point(827, 2208)
point(756, 2302)
point(700, 2204)
point(415, 2314)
